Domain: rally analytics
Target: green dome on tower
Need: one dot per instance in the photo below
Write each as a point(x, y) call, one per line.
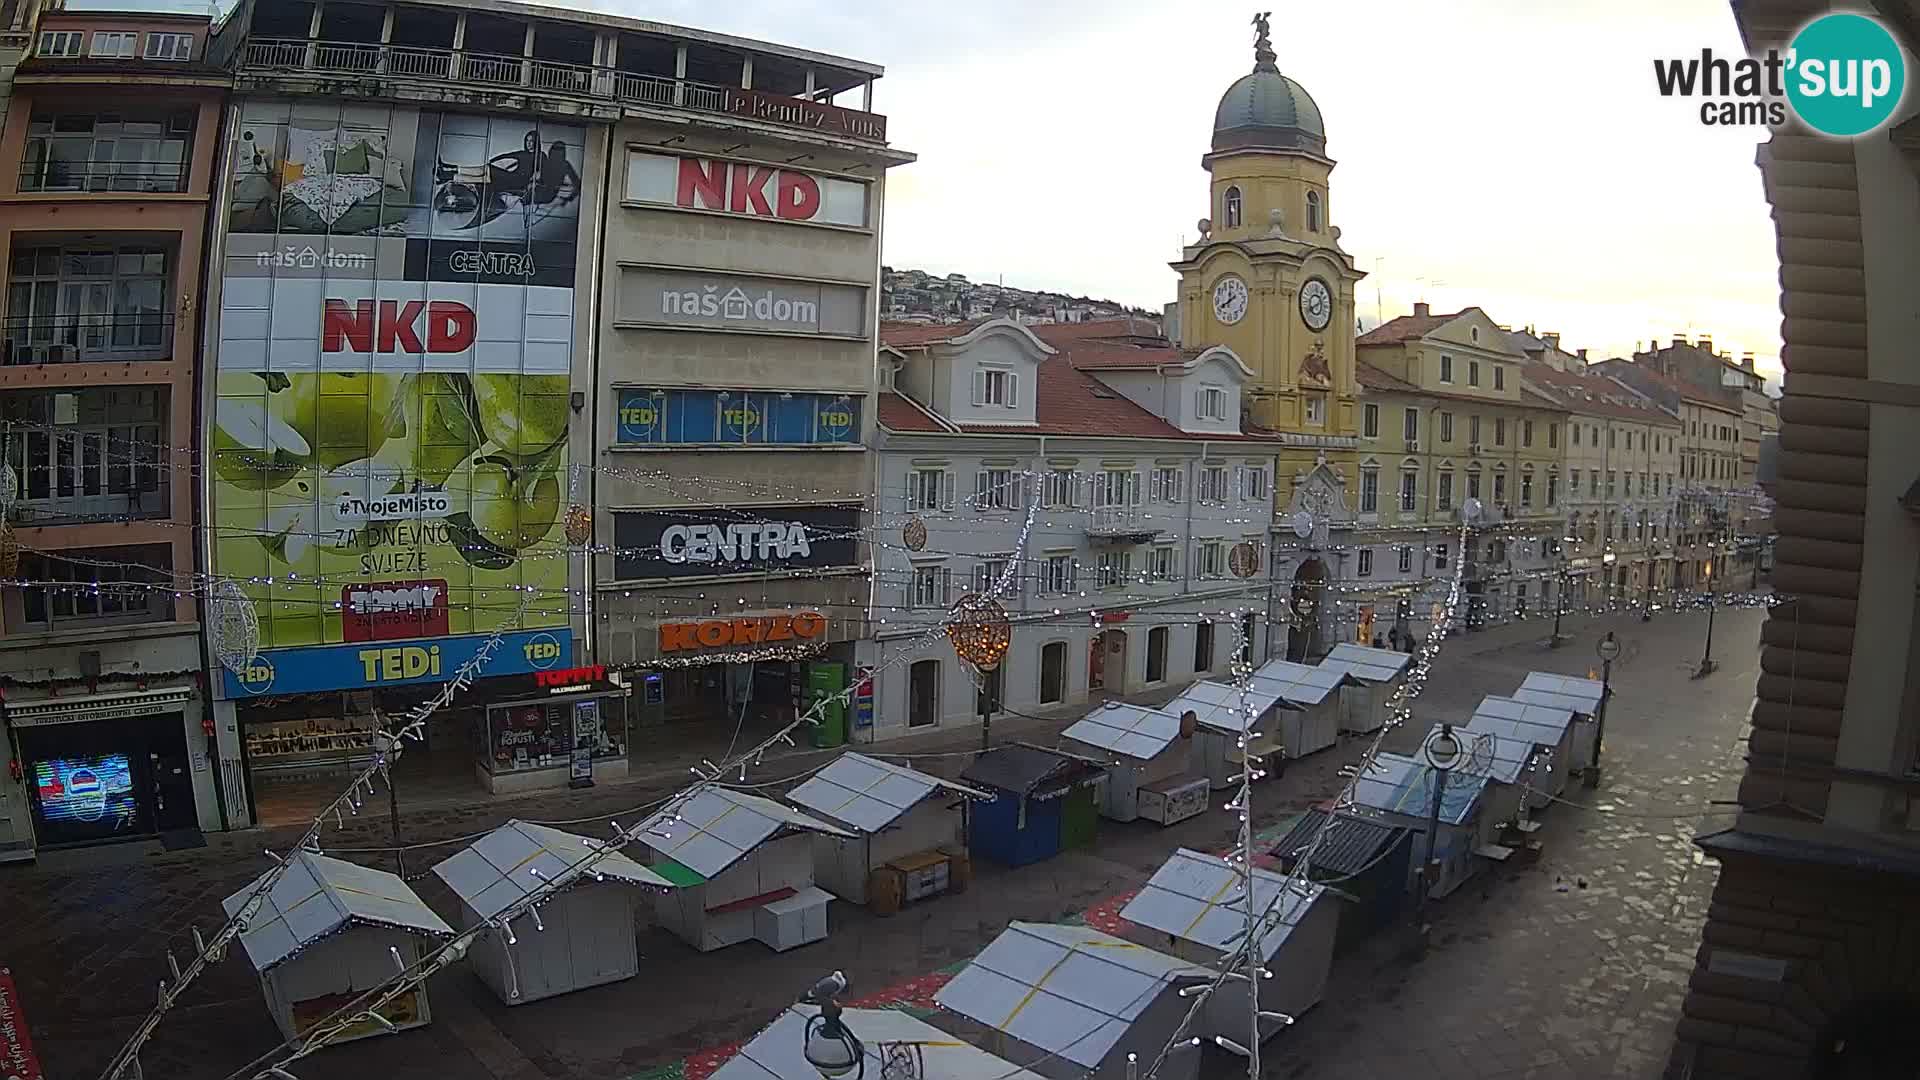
point(1266, 110)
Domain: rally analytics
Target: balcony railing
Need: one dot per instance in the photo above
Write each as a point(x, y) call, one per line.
point(87, 472)
point(75, 339)
point(147, 177)
point(409, 62)
point(1130, 524)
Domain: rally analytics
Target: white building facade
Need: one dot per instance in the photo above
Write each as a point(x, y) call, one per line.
point(1142, 520)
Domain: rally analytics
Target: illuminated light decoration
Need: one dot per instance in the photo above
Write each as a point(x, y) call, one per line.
point(914, 534)
point(978, 628)
point(233, 626)
point(1244, 560)
point(579, 524)
point(9, 488)
point(9, 550)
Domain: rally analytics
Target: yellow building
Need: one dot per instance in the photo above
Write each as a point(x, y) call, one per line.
point(1445, 416)
point(1268, 280)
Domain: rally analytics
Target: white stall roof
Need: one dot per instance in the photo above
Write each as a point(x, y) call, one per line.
point(1367, 663)
point(1401, 785)
point(1564, 691)
point(719, 826)
point(1544, 724)
point(1507, 753)
point(506, 865)
point(870, 794)
point(1299, 683)
point(1071, 991)
point(778, 1052)
point(317, 896)
point(1216, 705)
point(1197, 897)
point(1133, 731)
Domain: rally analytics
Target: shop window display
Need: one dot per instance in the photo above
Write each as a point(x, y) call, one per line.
point(544, 735)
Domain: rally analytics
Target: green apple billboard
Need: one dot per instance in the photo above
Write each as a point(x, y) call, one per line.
point(389, 430)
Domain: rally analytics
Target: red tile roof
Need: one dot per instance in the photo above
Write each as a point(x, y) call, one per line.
point(1374, 379)
point(909, 335)
point(1113, 354)
point(899, 414)
point(1130, 328)
point(1072, 402)
point(1593, 395)
point(1643, 374)
point(1406, 328)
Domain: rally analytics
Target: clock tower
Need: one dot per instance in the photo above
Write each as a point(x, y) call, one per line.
point(1268, 278)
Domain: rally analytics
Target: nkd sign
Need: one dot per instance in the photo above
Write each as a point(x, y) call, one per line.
point(697, 543)
point(654, 297)
point(745, 188)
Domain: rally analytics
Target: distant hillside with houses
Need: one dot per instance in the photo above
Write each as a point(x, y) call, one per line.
point(917, 296)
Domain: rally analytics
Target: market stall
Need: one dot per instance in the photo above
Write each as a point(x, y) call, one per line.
point(1219, 718)
point(742, 867)
point(1376, 676)
point(1400, 789)
point(1200, 903)
point(1044, 802)
point(1149, 777)
point(1368, 859)
point(1070, 1002)
point(585, 933)
point(909, 829)
point(328, 932)
point(888, 1038)
point(1548, 727)
point(1313, 724)
point(1578, 696)
point(1511, 766)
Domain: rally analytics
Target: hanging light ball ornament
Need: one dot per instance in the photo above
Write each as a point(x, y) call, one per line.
point(9, 551)
point(579, 524)
point(977, 625)
point(1244, 559)
point(9, 487)
point(914, 534)
point(233, 627)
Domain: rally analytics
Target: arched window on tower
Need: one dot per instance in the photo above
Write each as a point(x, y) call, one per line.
point(1232, 210)
point(1313, 211)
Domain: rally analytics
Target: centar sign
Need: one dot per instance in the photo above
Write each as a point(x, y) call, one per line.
point(764, 630)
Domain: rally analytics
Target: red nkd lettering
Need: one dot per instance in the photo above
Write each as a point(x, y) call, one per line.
point(391, 326)
point(798, 197)
point(703, 184)
point(749, 194)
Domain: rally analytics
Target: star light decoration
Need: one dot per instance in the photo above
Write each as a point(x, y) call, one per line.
point(579, 524)
point(9, 551)
point(977, 625)
point(233, 627)
point(1244, 559)
point(914, 534)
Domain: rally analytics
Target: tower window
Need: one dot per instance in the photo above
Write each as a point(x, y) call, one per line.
point(1313, 211)
point(1232, 210)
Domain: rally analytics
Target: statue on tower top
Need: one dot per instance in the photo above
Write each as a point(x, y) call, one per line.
point(1264, 58)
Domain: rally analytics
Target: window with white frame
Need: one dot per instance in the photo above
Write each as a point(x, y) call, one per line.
point(60, 43)
point(1446, 368)
point(1167, 484)
point(1473, 373)
point(1230, 209)
point(1213, 558)
point(169, 47)
point(1116, 488)
point(1593, 484)
point(1410, 425)
point(1553, 489)
point(113, 44)
point(1499, 431)
point(932, 586)
point(1316, 408)
point(1409, 491)
point(1163, 562)
point(1370, 421)
point(987, 575)
point(1611, 483)
point(997, 489)
point(1114, 569)
point(1526, 489)
point(1499, 489)
point(1443, 493)
point(1473, 429)
point(1406, 559)
point(1365, 566)
point(1212, 404)
point(929, 489)
point(1059, 574)
point(1473, 483)
point(1213, 484)
point(1446, 427)
point(1369, 491)
point(1439, 556)
point(996, 386)
point(1576, 434)
point(1253, 483)
point(1063, 489)
point(1499, 377)
point(1526, 433)
point(1573, 478)
point(1313, 211)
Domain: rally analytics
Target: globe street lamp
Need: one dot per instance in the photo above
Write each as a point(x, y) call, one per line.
point(1442, 751)
point(830, 1047)
point(1707, 662)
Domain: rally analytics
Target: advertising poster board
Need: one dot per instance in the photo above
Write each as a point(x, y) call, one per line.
point(393, 381)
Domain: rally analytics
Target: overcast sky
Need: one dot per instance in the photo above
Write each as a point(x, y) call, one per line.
point(1510, 154)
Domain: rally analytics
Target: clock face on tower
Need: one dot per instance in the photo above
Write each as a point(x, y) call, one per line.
point(1230, 300)
point(1316, 304)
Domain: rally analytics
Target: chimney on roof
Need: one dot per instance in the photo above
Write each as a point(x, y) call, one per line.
point(1746, 361)
point(1552, 340)
point(1705, 344)
point(1582, 353)
point(1421, 310)
point(1679, 342)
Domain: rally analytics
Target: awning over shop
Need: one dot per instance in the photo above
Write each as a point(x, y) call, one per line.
point(88, 707)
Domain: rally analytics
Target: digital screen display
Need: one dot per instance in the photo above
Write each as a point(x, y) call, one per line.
point(95, 791)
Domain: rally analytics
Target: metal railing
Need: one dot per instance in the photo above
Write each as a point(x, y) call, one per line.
point(546, 76)
point(88, 472)
point(141, 176)
point(74, 339)
point(1119, 520)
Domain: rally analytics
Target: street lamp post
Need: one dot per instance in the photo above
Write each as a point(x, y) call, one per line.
point(828, 1045)
point(1609, 650)
point(1442, 751)
point(1707, 662)
point(1560, 592)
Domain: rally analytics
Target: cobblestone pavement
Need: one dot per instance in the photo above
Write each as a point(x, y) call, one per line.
point(1525, 979)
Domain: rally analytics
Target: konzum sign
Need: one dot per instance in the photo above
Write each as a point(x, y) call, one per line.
point(725, 633)
point(747, 189)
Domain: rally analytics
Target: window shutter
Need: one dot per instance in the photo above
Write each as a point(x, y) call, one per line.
point(1156, 491)
point(979, 387)
point(1013, 389)
point(1133, 488)
point(947, 481)
point(913, 485)
point(1179, 487)
point(1240, 480)
point(946, 586)
point(981, 493)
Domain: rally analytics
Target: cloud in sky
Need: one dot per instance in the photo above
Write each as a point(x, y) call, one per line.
point(1510, 154)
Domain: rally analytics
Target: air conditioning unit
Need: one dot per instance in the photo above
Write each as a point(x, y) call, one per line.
point(1413, 446)
point(1473, 448)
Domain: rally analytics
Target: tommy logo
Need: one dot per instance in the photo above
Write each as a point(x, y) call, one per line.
point(390, 611)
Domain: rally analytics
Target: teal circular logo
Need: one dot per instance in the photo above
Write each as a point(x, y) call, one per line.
point(1845, 74)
